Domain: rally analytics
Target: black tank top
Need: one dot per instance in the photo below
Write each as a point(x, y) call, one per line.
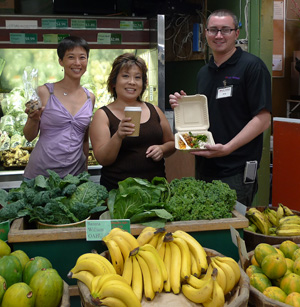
point(131, 160)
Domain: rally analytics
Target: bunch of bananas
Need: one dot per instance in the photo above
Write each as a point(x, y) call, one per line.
point(221, 276)
point(269, 221)
point(289, 226)
point(145, 271)
point(113, 290)
point(183, 256)
point(90, 265)
point(119, 244)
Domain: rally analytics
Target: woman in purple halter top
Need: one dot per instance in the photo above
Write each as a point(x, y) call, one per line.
point(63, 121)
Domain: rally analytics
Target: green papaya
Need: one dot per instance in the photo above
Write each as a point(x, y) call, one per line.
point(2, 288)
point(47, 286)
point(22, 256)
point(11, 269)
point(19, 294)
point(34, 265)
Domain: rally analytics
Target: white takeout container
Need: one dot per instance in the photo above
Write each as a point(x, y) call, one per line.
point(191, 115)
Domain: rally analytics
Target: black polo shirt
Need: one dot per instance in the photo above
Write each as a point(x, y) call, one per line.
point(251, 92)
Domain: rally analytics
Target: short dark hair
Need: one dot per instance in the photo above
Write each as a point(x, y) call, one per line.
point(224, 12)
point(69, 43)
point(126, 60)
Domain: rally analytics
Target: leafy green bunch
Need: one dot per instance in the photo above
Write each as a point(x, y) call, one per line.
point(193, 199)
point(140, 201)
point(54, 200)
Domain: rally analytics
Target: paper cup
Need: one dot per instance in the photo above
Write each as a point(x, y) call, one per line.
point(135, 114)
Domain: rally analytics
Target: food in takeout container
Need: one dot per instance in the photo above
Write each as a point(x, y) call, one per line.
point(192, 122)
point(33, 104)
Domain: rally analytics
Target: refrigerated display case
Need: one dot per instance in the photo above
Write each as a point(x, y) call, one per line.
point(31, 42)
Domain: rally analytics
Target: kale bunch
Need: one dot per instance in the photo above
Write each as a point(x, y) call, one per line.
point(54, 200)
point(193, 199)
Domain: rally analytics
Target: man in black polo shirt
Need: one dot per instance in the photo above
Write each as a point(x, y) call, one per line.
point(237, 85)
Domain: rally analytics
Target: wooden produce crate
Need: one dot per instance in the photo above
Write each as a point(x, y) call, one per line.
point(252, 239)
point(63, 246)
point(238, 297)
point(65, 301)
point(256, 298)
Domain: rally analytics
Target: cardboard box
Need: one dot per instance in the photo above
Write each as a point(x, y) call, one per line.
point(191, 115)
point(7, 6)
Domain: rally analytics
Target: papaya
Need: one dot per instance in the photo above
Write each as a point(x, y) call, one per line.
point(5, 249)
point(22, 256)
point(296, 266)
point(251, 269)
point(2, 288)
point(253, 260)
point(260, 281)
point(296, 254)
point(34, 265)
point(47, 285)
point(288, 248)
point(293, 299)
point(279, 252)
point(290, 283)
point(289, 264)
point(11, 269)
point(262, 250)
point(275, 293)
point(274, 266)
point(19, 294)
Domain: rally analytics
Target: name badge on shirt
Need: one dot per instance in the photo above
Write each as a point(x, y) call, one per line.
point(225, 91)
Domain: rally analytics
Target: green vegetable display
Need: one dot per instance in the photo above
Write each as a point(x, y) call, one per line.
point(53, 200)
point(140, 201)
point(193, 199)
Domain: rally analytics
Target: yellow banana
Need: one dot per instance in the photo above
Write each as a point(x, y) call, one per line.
point(289, 226)
point(194, 267)
point(98, 257)
point(146, 235)
point(120, 290)
point(195, 247)
point(155, 269)
point(198, 282)
point(230, 276)
point(199, 295)
point(127, 270)
point(154, 239)
point(175, 268)
point(160, 261)
point(160, 241)
point(293, 219)
point(272, 218)
point(288, 232)
point(280, 212)
point(234, 265)
point(132, 241)
point(137, 278)
point(287, 211)
point(148, 289)
point(257, 218)
point(111, 301)
point(92, 265)
point(185, 257)
point(217, 299)
point(123, 245)
point(97, 283)
point(167, 262)
point(94, 289)
point(116, 255)
point(161, 250)
point(220, 276)
point(84, 276)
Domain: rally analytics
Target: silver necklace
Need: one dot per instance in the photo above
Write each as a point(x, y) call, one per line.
point(65, 94)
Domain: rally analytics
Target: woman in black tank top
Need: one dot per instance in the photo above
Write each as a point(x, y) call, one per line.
point(121, 155)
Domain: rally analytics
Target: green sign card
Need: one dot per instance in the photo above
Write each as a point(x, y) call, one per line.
point(23, 38)
point(109, 38)
point(97, 229)
point(54, 23)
